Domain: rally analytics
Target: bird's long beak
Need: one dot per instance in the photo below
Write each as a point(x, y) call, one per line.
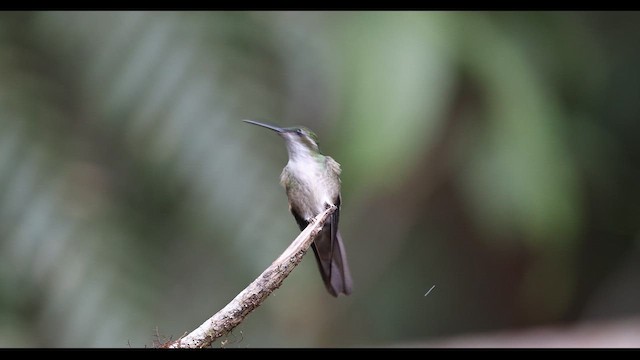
point(268, 126)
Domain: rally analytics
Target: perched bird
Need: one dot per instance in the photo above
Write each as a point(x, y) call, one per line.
point(312, 184)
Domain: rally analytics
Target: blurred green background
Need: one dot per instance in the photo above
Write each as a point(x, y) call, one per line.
point(493, 155)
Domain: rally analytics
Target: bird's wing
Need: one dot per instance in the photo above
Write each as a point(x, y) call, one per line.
point(333, 165)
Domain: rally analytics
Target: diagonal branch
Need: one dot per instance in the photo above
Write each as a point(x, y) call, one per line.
point(253, 295)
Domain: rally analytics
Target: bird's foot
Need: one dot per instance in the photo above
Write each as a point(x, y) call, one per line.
point(328, 206)
point(313, 219)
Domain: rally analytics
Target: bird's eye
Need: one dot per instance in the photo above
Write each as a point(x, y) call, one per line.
point(299, 131)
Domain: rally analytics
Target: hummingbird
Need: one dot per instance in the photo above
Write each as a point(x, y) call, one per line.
point(312, 183)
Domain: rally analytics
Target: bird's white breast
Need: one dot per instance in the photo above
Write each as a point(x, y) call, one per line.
point(311, 176)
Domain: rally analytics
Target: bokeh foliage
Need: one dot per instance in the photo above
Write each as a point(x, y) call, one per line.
point(493, 155)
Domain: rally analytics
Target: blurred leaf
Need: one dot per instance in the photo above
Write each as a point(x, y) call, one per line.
point(520, 176)
point(398, 74)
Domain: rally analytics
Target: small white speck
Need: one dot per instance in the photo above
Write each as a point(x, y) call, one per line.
point(429, 290)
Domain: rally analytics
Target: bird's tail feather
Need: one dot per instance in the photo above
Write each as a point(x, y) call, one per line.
point(332, 262)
